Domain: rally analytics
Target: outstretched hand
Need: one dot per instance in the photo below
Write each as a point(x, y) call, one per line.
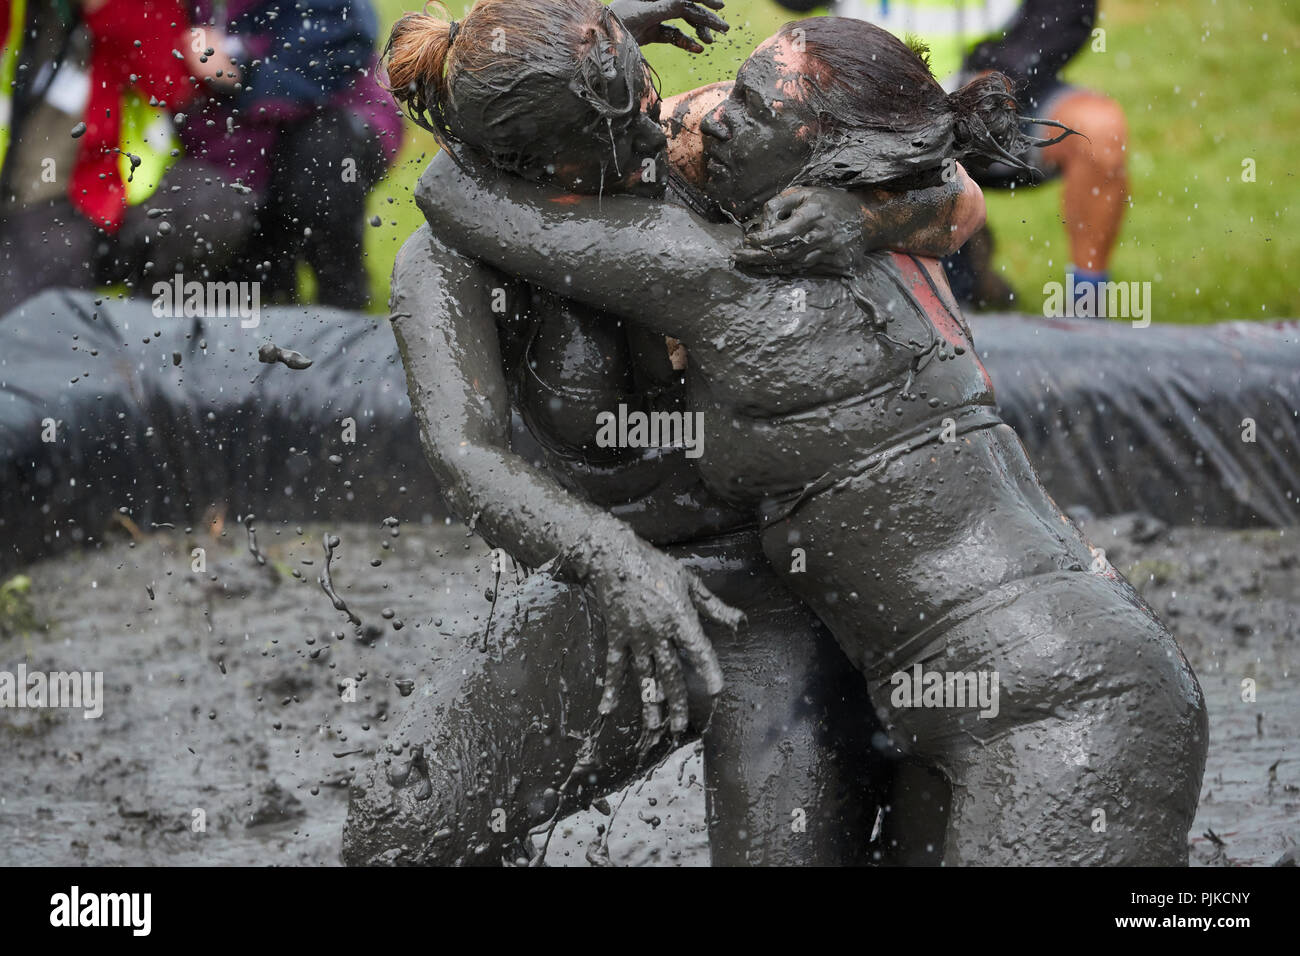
point(644, 19)
point(651, 607)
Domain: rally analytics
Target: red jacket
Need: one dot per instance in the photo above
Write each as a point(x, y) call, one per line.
point(134, 44)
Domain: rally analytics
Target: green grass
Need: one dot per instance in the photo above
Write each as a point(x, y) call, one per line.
point(1204, 84)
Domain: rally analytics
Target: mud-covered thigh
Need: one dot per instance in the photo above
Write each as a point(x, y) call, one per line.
point(489, 738)
point(796, 762)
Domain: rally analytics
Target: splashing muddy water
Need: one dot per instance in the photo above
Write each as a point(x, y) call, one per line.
point(250, 722)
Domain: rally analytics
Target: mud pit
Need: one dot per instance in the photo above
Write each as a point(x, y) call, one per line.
point(224, 692)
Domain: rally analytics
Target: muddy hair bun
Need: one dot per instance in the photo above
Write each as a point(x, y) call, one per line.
point(987, 126)
point(480, 82)
point(417, 54)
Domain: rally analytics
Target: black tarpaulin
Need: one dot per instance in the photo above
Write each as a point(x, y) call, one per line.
point(1115, 418)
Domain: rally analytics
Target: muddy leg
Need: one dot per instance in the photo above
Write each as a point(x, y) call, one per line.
point(477, 760)
point(1093, 750)
point(1091, 743)
point(496, 736)
point(792, 775)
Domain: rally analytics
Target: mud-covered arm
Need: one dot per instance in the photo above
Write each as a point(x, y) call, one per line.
point(935, 221)
point(447, 336)
point(815, 229)
point(641, 259)
point(649, 603)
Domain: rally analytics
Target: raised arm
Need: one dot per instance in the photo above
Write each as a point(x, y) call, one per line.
point(641, 259)
point(814, 229)
point(447, 337)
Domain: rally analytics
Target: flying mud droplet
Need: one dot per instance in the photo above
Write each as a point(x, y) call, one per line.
point(270, 353)
point(252, 540)
point(327, 585)
point(405, 687)
point(79, 131)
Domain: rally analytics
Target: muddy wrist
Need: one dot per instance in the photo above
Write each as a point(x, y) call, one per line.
point(595, 551)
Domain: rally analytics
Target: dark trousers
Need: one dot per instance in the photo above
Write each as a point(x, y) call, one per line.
point(315, 210)
point(208, 221)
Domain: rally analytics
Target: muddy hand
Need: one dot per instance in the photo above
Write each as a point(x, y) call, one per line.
point(644, 19)
point(805, 229)
point(651, 607)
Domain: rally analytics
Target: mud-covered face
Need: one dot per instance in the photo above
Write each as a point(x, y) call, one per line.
point(759, 138)
point(605, 134)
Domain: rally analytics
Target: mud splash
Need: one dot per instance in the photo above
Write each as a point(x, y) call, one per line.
point(228, 694)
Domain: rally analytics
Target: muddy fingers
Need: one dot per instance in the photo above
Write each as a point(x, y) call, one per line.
point(617, 662)
point(713, 607)
point(667, 34)
point(648, 687)
point(785, 227)
point(646, 21)
point(699, 653)
point(672, 684)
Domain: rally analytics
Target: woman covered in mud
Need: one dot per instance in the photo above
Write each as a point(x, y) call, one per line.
point(792, 730)
point(854, 419)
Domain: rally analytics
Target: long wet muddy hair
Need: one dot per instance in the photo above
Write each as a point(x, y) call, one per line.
point(489, 79)
point(883, 120)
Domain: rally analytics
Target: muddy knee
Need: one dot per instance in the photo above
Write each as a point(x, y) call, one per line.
point(407, 810)
point(487, 743)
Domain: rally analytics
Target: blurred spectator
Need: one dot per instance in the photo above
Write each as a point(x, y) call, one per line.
point(69, 72)
point(284, 125)
point(311, 131)
point(1030, 41)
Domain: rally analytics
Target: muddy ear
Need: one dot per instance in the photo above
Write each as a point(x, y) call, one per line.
point(855, 159)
